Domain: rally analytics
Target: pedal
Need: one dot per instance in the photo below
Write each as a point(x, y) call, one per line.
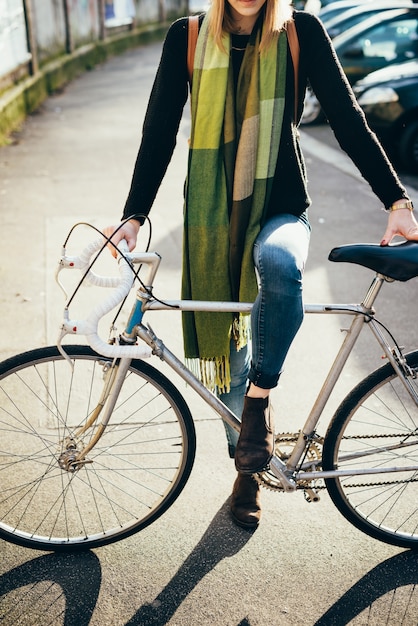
point(311, 495)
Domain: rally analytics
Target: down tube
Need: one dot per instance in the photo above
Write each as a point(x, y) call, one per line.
point(161, 350)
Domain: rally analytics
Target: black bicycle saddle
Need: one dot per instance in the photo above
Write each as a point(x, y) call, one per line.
point(398, 261)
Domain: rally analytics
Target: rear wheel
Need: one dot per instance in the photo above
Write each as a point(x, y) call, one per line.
point(132, 475)
point(377, 427)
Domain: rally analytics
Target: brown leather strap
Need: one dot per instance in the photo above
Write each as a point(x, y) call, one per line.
point(192, 33)
point(292, 38)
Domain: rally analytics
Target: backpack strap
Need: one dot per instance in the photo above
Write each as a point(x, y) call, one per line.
point(292, 38)
point(192, 34)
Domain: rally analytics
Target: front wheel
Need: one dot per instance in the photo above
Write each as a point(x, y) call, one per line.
point(376, 426)
point(131, 476)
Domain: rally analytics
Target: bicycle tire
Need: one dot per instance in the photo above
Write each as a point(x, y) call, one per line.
point(133, 475)
point(377, 415)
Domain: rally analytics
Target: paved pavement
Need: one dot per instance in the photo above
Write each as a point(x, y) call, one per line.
point(305, 565)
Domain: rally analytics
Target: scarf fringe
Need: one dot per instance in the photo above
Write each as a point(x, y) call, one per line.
point(241, 328)
point(215, 373)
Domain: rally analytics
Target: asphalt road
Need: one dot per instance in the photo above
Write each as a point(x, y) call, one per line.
point(305, 565)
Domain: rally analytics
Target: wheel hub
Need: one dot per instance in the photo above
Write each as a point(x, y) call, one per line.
point(69, 459)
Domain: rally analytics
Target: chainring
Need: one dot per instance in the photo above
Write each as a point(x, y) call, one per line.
point(283, 447)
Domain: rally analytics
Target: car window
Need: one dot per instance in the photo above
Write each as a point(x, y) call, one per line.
point(333, 9)
point(335, 27)
point(394, 41)
point(331, 13)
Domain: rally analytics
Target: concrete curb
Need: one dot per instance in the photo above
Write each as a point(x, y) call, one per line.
point(19, 101)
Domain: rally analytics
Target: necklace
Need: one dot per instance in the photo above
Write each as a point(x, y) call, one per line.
point(239, 42)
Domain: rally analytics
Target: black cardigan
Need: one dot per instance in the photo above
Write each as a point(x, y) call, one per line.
point(318, 64)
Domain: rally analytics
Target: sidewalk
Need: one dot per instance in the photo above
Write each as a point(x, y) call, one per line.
point(73, 162)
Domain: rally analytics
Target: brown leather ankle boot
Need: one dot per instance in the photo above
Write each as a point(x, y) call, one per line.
point(245, 502)
point(256, 440)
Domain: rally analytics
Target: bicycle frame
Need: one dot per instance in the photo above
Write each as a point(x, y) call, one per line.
point(287, 473)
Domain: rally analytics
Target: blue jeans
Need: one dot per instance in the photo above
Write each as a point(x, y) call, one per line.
point(280, 253)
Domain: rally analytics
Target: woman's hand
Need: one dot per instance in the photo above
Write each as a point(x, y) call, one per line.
point(401, 222)
point(128, 231)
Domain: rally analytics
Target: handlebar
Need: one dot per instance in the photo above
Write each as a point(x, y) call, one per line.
point(121, 287)
point(83, 261)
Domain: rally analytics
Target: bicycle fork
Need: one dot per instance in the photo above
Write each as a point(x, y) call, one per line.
point(71, 458)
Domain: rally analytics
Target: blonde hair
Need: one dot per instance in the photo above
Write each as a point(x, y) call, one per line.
point(276, 14)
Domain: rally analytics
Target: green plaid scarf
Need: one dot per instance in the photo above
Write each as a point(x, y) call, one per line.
point(233, 152)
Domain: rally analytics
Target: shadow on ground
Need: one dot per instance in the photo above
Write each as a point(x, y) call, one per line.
point(52, 588)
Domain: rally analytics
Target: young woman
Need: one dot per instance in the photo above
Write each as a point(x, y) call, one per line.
point(246, 232)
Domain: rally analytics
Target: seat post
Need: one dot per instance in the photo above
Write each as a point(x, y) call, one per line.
point(374, 290)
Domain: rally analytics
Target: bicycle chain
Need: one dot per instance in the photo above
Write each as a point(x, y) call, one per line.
point(381, 483)
point(269, 481)
point(353, 486)
point(400, 435)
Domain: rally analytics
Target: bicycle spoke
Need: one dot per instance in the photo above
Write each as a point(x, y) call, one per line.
point(376, 428)
point(133, 473)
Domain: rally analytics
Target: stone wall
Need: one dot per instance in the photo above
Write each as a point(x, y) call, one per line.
point(47, 43)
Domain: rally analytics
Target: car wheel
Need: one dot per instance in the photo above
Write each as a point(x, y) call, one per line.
point(312, 111)
point(408, 147)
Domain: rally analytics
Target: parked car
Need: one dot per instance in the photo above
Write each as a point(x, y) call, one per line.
point(333, 9)
point(327, 9)
point(354, 15)
point(389, 98)
point(386, 38)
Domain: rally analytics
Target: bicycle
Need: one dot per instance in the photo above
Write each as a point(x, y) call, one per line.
point(96, 443)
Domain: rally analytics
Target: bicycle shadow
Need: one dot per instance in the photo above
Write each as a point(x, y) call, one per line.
point(52, 586)
point(221, 540)
point(389, 576)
